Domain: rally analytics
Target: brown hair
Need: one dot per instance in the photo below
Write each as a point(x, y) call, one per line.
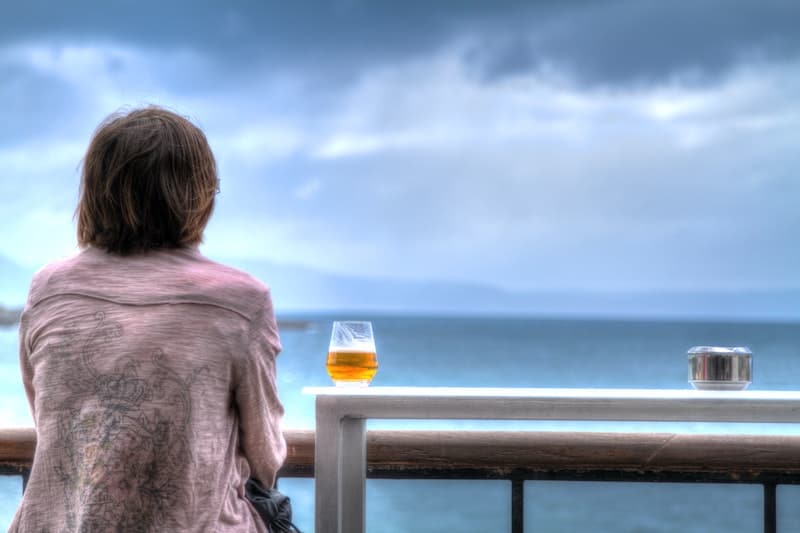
point(149, 179)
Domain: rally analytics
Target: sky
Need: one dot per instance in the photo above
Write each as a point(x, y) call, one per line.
point(611, 145)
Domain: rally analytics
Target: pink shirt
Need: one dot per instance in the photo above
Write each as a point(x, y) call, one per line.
point(152, 384)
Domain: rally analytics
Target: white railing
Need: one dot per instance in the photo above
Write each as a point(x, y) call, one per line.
point(341, 414)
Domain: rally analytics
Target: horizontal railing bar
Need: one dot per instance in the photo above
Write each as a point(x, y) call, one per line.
point(534, 455)
point(628, 476)
point(586, 450)
point(17, 444)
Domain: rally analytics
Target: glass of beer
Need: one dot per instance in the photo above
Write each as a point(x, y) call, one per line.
point(351, 354)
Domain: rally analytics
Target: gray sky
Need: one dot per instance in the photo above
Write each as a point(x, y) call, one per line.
point(561, 144)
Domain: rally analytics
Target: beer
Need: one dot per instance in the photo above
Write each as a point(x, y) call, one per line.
point(351, 353)
point(348, 365)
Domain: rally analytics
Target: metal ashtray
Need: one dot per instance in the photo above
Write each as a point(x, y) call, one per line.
point(718, 368)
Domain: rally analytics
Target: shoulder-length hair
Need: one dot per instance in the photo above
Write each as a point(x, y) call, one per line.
point(148, 181)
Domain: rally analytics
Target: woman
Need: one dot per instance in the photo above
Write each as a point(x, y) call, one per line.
point(150, 370)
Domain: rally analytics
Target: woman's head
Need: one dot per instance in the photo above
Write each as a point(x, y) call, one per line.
point(148, 181)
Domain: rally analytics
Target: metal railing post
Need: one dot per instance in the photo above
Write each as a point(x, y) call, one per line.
point(517, 504)
point(770, 508)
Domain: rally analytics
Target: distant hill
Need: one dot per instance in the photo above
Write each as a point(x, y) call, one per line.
point(302, 289)
point(14, 282)
point(9, 317)
point(297, 289)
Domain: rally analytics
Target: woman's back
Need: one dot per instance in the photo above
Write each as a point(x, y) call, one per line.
point(151, 378)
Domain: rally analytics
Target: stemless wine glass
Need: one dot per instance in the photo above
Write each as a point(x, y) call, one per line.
point(351, 356)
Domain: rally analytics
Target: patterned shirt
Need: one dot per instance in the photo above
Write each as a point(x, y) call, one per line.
point(152, 384)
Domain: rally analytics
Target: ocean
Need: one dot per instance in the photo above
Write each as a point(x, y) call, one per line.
point(518, 352)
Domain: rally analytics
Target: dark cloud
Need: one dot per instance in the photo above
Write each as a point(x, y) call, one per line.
point(324, 35)
point(606, 42)
point(641, 42)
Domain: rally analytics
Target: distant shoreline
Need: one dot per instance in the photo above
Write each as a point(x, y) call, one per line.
point(9, 317)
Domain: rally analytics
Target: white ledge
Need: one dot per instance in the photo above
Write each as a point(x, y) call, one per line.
point(569, 393)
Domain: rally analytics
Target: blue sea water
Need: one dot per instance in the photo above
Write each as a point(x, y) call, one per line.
point(520, 352)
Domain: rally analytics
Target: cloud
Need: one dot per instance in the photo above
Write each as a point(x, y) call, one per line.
point(377, 150)
point(331, 38)
point(632, 42)
point(609, 42)
point(308, 189)
point(257, 144)
point(546, 184)
point(40, 234)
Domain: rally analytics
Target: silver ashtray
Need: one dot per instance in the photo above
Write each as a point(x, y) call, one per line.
point(719, 368)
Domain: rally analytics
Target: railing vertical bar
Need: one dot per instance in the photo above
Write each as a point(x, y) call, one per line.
point(517, 504)
point(770, 508)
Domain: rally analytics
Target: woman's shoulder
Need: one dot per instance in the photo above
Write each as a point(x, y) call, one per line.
point(162, 276)
point(228, 277)
point(41, 278)
point(229, 285)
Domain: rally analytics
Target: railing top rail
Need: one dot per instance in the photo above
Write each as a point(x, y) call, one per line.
point(654, 405)
point(565, 393)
